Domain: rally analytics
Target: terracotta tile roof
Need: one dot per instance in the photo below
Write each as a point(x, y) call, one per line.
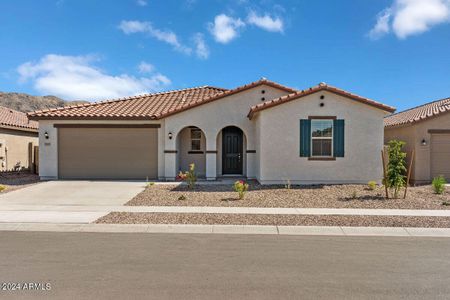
point(16, 119)
point(419, 113)
point(149, 106)
point(317, 88)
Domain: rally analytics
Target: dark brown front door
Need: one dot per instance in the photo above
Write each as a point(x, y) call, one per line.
point(232, 154)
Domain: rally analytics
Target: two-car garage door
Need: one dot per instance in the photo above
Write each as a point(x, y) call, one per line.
point(107, 153)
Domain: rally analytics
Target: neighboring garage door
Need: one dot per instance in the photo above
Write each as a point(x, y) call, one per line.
point(440, 155)
point(107, 153)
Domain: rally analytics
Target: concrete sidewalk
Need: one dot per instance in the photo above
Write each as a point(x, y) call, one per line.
point(225, 210)
point(231, 229)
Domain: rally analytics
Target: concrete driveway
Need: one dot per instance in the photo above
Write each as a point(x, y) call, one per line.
point(91, 193)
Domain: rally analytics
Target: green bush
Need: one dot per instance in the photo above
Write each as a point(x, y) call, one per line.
point(396, 167)
point(2, 187)
point(372, 185)
point(189, 176)
point(150, 184)
point(438, 184)
point(241, 188)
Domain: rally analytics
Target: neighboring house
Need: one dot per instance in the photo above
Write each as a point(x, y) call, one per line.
point(262, 130)
point(426, 130)
point(18, 136)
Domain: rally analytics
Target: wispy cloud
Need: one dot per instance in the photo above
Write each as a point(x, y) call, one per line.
point(266, 22)
point(141, 2)
point(410, 17)
point(145, 67)
point(225, 28)
point(167, 36)
point(77, 77)
point(201, 49)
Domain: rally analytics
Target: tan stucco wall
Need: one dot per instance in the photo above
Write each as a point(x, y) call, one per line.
point(17, 148)
point(413, 135)
point(211, 118)
point(280, 142)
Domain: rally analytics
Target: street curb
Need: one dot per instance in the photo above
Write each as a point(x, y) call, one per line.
point(229, 229)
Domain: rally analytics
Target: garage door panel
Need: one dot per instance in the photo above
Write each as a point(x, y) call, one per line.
point(107, 153)
point(440, 155)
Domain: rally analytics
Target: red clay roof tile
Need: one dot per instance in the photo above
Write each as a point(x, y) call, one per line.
point(419, 113)
point(17, 119)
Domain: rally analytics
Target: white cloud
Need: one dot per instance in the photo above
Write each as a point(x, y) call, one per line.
point(167, 36)
point(410, 17)
point(201, 49)
point(145, 67)
point(76, 77)
point(141, 2)
point(225, 28)
point(266, 22)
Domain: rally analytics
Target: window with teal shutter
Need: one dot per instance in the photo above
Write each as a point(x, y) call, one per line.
point(338, 138)
point(305, 138)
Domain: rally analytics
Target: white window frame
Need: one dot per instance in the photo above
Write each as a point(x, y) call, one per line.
point(322, 138)
point(196, 139)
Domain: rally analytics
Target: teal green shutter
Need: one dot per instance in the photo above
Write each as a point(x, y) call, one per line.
point(338, 138)
point(305, 138)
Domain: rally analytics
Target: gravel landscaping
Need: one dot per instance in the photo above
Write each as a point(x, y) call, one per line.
point(247, 219)
point(320, 196)
point(17, 180)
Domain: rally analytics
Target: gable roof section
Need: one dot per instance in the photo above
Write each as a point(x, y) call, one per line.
point(14, 119)
point(418, 113)
point(315, 89)
point(150, 106)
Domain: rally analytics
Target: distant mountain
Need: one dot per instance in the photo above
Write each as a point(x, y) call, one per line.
point(26, 103)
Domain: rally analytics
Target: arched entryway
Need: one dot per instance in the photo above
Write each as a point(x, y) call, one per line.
point(232, 153)
point(191, 148)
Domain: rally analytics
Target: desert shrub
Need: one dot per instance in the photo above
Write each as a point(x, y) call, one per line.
point(354, 195)
point(372, 185)
point(149, 184)
point(189, 176)
point(288, 184)
point(241, 188)
point(396, 167)
point(2, 187)
point(182, 197)
point(438, 184)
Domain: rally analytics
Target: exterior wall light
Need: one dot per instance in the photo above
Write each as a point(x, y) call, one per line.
point(424, 142)
point(170, 135)
point(46, 135)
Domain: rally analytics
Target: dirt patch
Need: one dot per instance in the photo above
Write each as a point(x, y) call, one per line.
point(17, 180)
point(295, 220)
point(321, 196)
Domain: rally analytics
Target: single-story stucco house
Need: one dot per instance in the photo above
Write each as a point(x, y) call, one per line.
point(18, 136)
point(426, 130)
point(262, 130)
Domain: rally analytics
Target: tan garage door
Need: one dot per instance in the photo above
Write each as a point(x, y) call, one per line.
point(107, 153)
point(440, 155)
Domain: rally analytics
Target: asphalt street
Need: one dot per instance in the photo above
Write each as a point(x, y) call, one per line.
point(189, 266)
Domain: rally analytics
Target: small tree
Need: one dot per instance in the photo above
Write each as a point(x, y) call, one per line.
point(189, 176)
point(396, 167)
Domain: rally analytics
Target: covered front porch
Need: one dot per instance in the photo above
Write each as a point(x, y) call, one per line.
point(218, 155)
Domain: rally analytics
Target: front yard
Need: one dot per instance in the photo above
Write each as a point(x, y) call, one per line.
point(17, 180)
point(321, 196)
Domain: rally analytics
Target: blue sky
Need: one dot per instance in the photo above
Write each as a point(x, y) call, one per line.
point(393, 51)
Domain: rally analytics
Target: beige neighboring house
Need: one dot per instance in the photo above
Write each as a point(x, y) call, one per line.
point(18, 136)
point(262, 130)
point(426, 130)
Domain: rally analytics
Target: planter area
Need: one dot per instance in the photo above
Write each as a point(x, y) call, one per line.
point(282, 220)
point(320, 196)
point(17, 180)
